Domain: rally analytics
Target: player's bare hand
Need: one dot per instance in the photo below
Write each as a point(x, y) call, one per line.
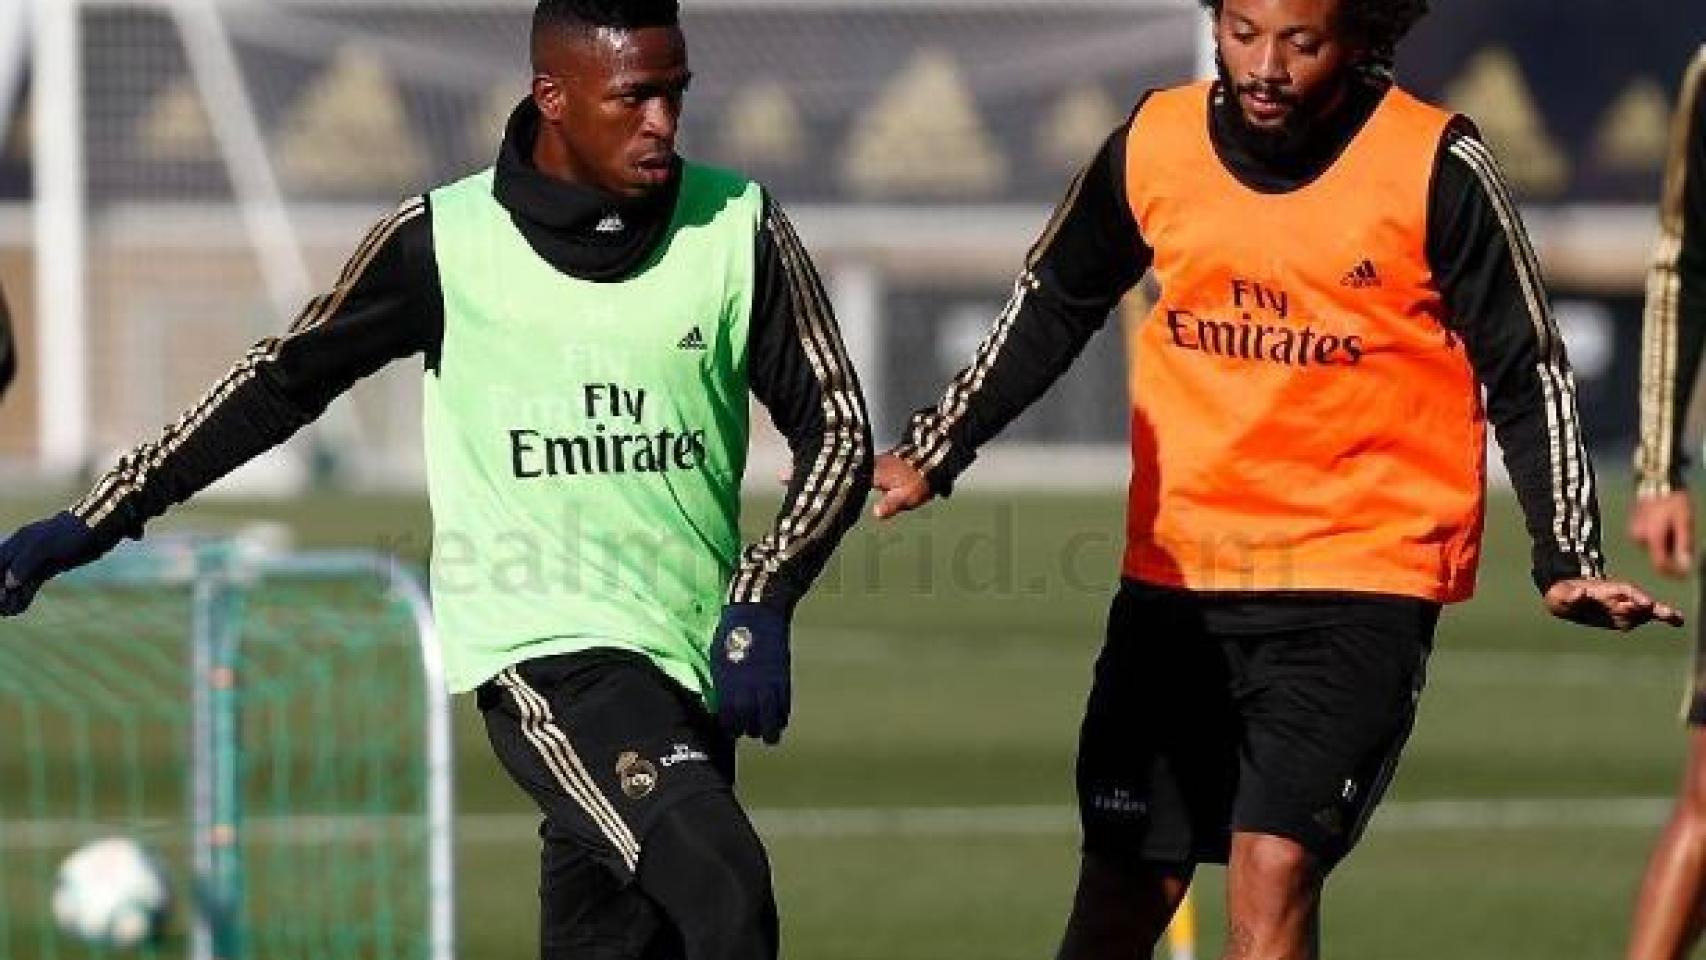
point(1610, 604)
point(902, 487)
point(1663, 525)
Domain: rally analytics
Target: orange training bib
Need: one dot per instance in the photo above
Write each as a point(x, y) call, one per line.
point(1303, 420)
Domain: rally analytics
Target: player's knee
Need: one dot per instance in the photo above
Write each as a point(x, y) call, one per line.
point(1122, 906)
point(586, 912)
point(1276, 864)
point(739, 922)
point(706, 867)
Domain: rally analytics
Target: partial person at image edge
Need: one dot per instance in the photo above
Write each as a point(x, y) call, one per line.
point(1671, 909)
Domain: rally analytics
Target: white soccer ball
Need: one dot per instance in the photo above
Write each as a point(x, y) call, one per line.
point(112, 893)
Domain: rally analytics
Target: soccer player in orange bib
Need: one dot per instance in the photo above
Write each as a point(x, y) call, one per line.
point(1342, 271)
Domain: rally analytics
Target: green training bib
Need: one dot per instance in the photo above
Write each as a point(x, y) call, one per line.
point(585, 441)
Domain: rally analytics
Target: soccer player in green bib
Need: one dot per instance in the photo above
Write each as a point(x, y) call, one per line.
point(593, 313)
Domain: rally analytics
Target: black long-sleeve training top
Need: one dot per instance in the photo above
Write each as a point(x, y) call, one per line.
point(1092, 254)
point(1675, 328)
point(387, 305)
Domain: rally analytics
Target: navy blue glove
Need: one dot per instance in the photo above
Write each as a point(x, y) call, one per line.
point(39, 552)
point(750, 667)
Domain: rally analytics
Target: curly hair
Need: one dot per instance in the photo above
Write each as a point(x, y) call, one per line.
point(1378, 25)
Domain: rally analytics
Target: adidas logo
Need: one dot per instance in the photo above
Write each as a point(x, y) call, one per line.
point(1362, 276)
point(612, 223)
point(695, 340)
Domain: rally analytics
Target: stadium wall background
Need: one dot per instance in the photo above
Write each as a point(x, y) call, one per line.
point(824, 113)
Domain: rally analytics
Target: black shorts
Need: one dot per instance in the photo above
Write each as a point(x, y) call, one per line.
point(604, 742)
point(644, 846)
point(1275, 714)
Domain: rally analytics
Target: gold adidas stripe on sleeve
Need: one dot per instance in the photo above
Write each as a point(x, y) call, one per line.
point(134, 469)
point(829, 481)
point(1656, 456)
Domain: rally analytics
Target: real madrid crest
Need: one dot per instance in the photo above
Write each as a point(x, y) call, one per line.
point(637, 775)
point(739, 644)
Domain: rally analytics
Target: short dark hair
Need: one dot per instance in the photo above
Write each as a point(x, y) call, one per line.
point(556, 19)
point(1379, 25)
point(623, 14)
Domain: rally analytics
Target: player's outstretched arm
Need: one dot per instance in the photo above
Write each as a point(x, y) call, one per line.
point(1087, 258)
point(1496, 303)
point(385, 305)
point(799, 369)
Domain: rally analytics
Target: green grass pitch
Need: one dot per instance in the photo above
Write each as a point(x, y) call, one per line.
point(919, 807)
